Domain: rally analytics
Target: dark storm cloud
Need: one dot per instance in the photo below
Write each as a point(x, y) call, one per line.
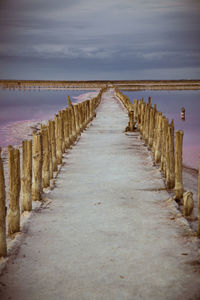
point(86, 37)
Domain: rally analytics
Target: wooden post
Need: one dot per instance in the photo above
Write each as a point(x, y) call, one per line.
point(73, 122)
point(88, 111)
point(61, 130)
point(80, 116)
point(58, 126)
point(170, 172)
point(14, 190)
point(45, 156)
point(26, 180)
point(53, 145)
point(90, 106)
point(76, 113)
point(155, 135)
point(68, 125)
point(178, 165)
point(66, 129)
point(151, 126)
point(164, 145)
point(147, 122)
point(131, 121)
point(199, 198)
point(158, 140)
point(37, 167)
point(50, 151)
point(3, 245)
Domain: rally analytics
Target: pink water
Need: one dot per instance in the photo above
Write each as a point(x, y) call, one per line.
point(21, 111)
point(170, 104)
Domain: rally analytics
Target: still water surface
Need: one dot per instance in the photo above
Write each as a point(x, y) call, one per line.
point(170, 104)
point(21, 109)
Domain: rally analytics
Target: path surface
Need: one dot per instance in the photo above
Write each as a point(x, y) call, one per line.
point(107, 233)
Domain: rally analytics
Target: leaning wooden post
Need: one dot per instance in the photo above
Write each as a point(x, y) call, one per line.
point(14, 190)
point(199, 198)
point(3, 245)
point(26, 180)
point(37, 167)
point(178, 165)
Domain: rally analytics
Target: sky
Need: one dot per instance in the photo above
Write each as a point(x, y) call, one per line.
point(104, 39)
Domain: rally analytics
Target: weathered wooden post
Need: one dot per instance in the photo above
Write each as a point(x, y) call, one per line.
point(61, 130)
point(53, 144)
point(88, 111)
point(131, 125)
point(66, 128)
point(170, 172)
point(199, 198)
point(3, 245)
point(14, 190)
point(50, 152)
point(84, 115)
point(164, 145)
point(147, 122)
point(178, 189)
point(76, 113)
point(45, 156)
point(26, 180)
point(58, 126)
point(73, 121)
point(37, 167)
point(151, 127)
point(158, 140)
point(80, 116)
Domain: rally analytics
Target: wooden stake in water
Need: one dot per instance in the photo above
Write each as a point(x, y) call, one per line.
point(26, 179)
point(3, 246)
point(14, 190)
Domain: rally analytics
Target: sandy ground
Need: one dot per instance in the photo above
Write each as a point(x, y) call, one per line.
point(108, 230)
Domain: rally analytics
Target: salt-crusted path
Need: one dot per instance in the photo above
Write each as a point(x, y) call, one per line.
point(107, 234)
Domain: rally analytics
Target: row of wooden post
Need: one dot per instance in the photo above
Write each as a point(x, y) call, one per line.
point(158, 136)
point(40, 159)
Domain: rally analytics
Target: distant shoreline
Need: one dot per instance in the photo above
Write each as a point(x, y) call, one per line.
point(132, 85)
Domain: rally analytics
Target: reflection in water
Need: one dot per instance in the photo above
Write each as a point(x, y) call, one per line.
point(21, 110)
point(170, 104)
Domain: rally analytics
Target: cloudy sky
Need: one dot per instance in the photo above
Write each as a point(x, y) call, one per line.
point(100, 39)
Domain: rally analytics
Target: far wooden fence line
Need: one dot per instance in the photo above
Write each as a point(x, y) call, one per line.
point(41, 157)
point(158, 136)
